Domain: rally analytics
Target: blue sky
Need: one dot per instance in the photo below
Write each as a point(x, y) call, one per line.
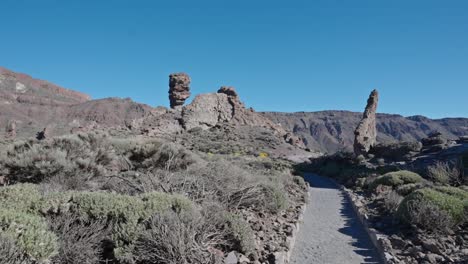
point(280, 55)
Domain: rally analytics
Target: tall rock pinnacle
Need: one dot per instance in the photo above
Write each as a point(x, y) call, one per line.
point(179, 89)
point(366, 131)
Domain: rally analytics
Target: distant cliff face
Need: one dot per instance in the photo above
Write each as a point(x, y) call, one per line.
point(331, 131)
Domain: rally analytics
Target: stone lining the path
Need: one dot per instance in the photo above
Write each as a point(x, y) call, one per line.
point(374, 235)
point(284, 257)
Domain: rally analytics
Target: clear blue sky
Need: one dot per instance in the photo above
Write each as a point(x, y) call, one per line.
point(280, 55)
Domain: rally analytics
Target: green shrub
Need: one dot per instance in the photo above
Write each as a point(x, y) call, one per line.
point(449, 200)
point(299, 180)
point(241, 234)
point(275, 198)
point(20, 197)
point(10, 253)
point(126, 213)
point(111, 206)
point(406, 189)
point(453, 191)
point(159, 202)
point(396, 179)
point(426, 215)
point(30, 232)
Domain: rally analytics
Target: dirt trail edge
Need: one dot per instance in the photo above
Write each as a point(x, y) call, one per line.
point(331, 232)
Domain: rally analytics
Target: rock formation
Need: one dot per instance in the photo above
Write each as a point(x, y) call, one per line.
point(209, 110)
point(179, 89)
point(10, 130)
point(366, 131)
point(230, 91)
point(41, 135)
point(435, 142)
point(462, 140)
point(398, 151)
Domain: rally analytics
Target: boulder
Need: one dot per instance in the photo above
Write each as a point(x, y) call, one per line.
point(366, 131)
point(228, 90)
point(179, 89)
point(224, 107)
point(206, 110)
point(435, 142)
point(41, 135)
point(294, 140)
point(400, 151)
point(432, 141)
point(231, 258)
point(10, 129)
point(462, 140)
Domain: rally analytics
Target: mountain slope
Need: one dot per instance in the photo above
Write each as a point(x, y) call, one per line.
point(331, 131)
point(34, 104)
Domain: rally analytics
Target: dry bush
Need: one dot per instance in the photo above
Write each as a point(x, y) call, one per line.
point(180, 238)
point(217, 180)
point(79, 242)
point(151, 154)
point(444, 173)
point(391, 201)
point(10, 253)
point(77, 156)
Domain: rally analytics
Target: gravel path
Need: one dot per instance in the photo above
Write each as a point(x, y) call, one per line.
point(331, 232)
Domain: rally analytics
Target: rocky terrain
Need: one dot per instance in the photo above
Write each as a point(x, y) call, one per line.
point(30, 105)
point(33, 104)
point(66, 154)
point(99, 181)
point(331, 131)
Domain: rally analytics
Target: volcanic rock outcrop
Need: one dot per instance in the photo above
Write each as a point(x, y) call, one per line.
point(230, 91)
point(434, 142)
point(10, 129)
point(179, 89)
point(209, 110)
point(398, 151)
point(366, 131)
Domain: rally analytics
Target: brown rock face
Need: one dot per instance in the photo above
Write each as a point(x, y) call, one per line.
point(179, 89)
point(225, 107)
point(10, 130)
point(230, 91)
point(366, 131)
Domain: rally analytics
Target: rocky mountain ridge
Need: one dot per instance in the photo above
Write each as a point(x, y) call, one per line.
point(28, 105)
point(331, 131)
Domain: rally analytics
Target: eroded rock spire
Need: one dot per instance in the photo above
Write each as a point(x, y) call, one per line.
point(179, 89)
point(366, 131)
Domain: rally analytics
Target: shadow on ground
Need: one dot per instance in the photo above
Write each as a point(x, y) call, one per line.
point(353, 227)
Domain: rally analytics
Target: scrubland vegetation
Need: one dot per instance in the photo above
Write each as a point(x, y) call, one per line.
point(435, 199)
point(93, 198)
